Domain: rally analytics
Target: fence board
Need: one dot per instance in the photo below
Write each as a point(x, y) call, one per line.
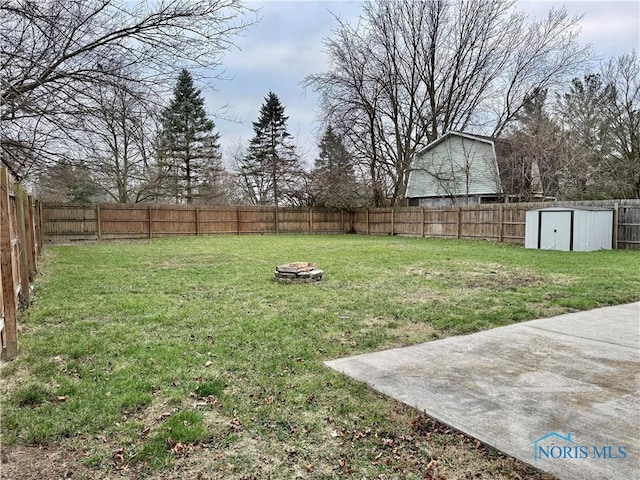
point(7, 265)
point(20, 244)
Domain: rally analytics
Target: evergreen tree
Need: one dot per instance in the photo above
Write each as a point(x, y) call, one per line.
point(271, 171)
point(68, 183)
point(334, 182)
point(188, 149)
point(582, 113)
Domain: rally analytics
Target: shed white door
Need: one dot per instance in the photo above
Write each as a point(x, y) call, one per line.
point(555, 230)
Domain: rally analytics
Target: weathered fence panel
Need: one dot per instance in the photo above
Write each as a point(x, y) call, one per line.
point(218, 220)
point(380, 221)
point(628, 233)
point(20, 243)
point(495, 222)
point(293, 220)
point(70, 222)
point(407, 221)
point(330, 221)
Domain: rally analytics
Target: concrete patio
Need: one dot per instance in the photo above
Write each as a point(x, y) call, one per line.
point(561, 393)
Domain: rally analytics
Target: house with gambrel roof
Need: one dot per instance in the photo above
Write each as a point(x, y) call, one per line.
point(465, 169)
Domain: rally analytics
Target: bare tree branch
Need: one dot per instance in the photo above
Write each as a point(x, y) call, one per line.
point(409, 71)
point(53, 54)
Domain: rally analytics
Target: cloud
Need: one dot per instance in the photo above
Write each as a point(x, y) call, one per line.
point(292, 59)
point(612, 28)
point(277, 53)
point(614, 31)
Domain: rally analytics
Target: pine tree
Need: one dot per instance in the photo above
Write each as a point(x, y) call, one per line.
point(271, 171)
point(334, 182)
point(188, 149)
point(587, 129)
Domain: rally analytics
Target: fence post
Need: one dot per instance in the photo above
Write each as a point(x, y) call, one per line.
point(276, 219)
point(98, 222)
point(393, 221)
point(6, 271)
point(501, 223)
point(197, 221)
point(149, 212)
point(31, 237)
point(616, 220)
point(424, 219)
point(238, 219)
point(311, 220)
point(458, 221)
point(41, 220)
point(341, 221)
point(22, 263)
point(368, 229)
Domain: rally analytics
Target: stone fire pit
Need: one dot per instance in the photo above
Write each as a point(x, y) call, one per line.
point(298, 272)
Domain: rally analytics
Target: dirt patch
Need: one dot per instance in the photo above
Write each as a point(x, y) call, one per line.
point(489, 275)
point(402, 333)
point(423, 297)
point(36, 463)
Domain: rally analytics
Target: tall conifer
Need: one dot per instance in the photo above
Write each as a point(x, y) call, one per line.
point(188, 148)
point(271, 171)
point(334, 183)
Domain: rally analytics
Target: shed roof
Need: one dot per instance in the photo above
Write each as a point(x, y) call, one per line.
point(575, 207)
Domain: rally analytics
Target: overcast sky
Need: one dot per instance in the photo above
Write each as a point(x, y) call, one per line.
point(286, 45)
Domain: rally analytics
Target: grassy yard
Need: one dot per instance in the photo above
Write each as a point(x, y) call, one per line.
point(181, 358)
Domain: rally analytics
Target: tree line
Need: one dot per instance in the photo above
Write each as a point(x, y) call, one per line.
point(83, 116)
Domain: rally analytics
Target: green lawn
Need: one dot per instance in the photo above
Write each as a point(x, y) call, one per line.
point(181, 357)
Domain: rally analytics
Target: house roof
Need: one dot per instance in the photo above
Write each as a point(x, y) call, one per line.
point(450, 133)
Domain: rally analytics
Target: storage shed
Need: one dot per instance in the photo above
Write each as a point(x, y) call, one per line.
point(580, 229)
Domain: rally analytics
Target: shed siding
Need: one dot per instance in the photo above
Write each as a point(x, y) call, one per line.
point(531, 229)
point(457, 166)
point(592, 229)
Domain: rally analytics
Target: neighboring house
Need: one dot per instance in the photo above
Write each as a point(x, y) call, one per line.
point(463, 169)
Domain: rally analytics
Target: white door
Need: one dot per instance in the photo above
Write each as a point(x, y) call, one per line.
point(555, 230)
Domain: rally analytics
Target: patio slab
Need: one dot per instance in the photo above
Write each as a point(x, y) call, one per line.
point(561, 393)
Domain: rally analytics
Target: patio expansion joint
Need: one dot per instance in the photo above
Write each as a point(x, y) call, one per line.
point(557, 332)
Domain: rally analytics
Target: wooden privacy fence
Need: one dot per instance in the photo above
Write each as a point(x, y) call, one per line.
point(497, 222)
point(21, 240)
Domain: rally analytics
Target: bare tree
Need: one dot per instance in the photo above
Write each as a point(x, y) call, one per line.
point(118, 136)
point(622, 76)
point(531, 151)
point(55, 52)
point(411, 71)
